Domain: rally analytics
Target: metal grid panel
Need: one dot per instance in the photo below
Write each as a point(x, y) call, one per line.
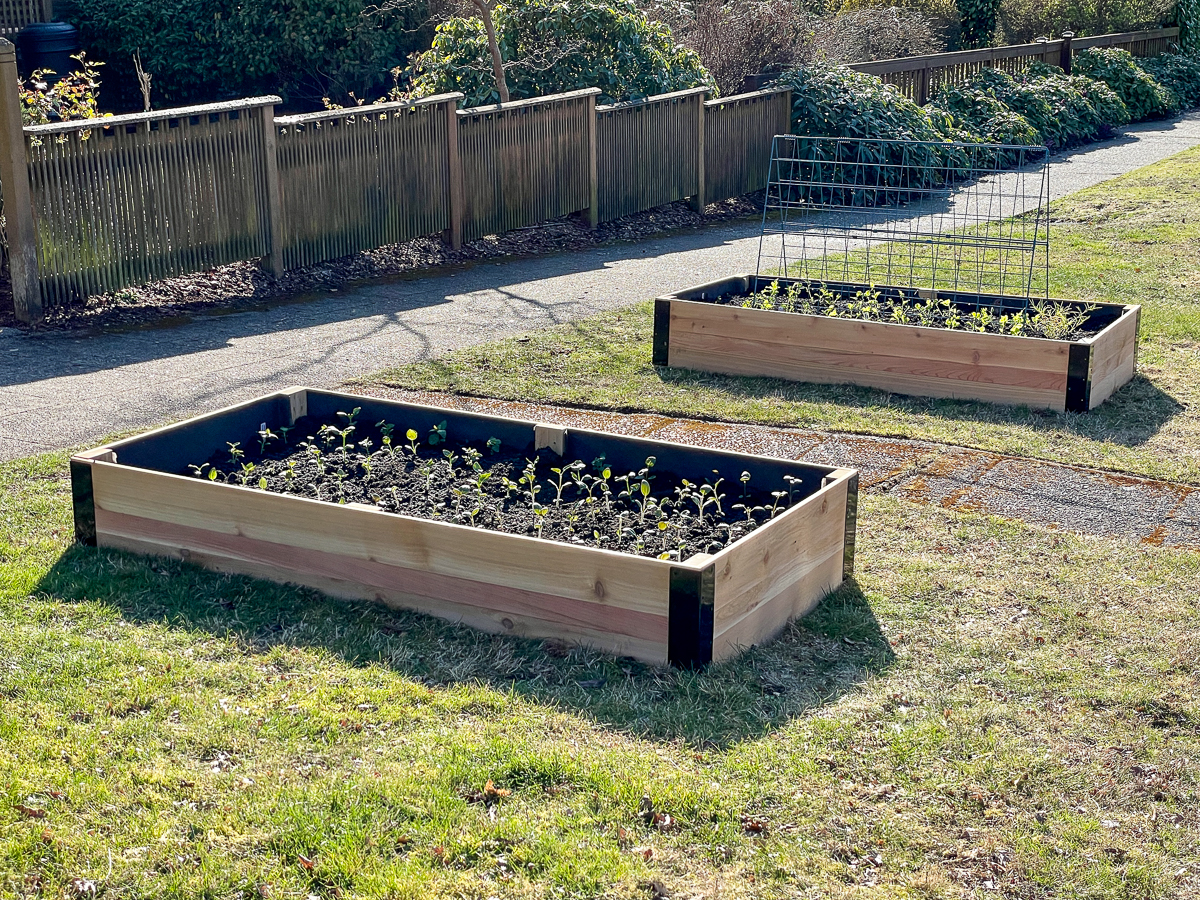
point(972, 218)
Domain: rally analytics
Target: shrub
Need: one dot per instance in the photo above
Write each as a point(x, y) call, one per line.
point(979, 115)
point(977, 23)
point(204, 50)
point(549, 46)
point(73, 96)
point(839, 102)
point(1144, 97)
point(1177, 73)
point(739, 38)
point(876, 32)
point(1022, 21)
point(1188, 14)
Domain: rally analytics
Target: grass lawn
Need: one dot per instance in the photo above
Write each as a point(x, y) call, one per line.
point(989, 710)
point(1132, 240)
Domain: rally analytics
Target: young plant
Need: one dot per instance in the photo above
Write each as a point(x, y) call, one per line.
point(265, 436)
point(437, 434)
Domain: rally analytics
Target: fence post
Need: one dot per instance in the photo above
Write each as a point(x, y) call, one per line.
point(454, 175)
point(47, 10)
point(593, 164)
point(701, 188)
point(18, 200)
point(1064, 53)
point(274, 198)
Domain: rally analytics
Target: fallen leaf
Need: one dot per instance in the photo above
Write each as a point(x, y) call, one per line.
point(493, 794)
point(31, 812)
point(753, 825)
point(646, 853)
point(305, 862)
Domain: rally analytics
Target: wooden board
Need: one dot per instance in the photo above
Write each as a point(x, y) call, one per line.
point(902, 358)
point(1114, 356)
point(762, 585)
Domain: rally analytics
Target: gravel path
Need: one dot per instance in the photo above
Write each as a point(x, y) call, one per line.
point(62, 389)
point(1067, 498)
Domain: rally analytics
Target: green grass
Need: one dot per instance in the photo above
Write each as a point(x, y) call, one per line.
point(986, 704)
point(1132, 240)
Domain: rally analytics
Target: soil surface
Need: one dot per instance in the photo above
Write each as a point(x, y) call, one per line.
point(650, 512)
point(245, 285)
point(1043, 319)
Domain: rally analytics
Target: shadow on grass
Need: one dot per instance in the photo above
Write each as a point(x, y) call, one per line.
point(813, 662)
point(1130, 418)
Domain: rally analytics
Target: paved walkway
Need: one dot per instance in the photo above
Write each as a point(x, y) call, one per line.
point(58, 390)
point(1068, 498)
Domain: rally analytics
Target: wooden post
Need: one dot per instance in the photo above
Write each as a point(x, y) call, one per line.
point(1064, 53)
point(47, 10)
point(274, 198)
point(454, 175)
point(593, 164)
point(18, 200)
point(699, 200)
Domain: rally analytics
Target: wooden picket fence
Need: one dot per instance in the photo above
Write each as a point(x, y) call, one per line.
point(100, 205)
point(16, 14)
point(921, 77)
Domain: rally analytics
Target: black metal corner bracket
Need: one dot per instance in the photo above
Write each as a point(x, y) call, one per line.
point(662, 331)
point(690, 619)
point(84, 502)
point(851, 526)
point(1079, 378)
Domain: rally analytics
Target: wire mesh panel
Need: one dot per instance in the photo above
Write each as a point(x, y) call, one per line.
point(970, 218)
point(125, 200)
point(361, 178)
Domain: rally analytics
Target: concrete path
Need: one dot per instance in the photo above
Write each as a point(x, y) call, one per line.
point(58, 390)
point(1067, 498)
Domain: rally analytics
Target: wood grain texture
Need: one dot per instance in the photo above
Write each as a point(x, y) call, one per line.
point(481, 604)
point(902, 358)
point(614, 580)
point(1114, 356)
point(780, 571)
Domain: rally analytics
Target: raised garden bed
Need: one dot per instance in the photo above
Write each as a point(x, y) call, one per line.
point(506, 525)
point(706, 328)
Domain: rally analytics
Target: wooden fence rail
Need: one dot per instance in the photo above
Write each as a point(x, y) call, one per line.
point(103, 204)
point(920, 77)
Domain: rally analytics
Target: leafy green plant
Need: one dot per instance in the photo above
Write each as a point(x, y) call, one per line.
point(1177, 73)
point(73, 97)
point(977, 20)
point(549, 46)
point(1144, 97)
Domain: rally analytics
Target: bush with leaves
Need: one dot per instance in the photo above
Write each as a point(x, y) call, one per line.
point(1023, 21)
point(838, 102)
point(979, 114)
point(977, 23)
point(1063, 111)
point(204, 50)
point(73, 96)
point(1187, 13)
point(551, 46)
point(1179, 74)
point(1145, 97)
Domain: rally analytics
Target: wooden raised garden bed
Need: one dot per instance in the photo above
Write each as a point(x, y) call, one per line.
point(700, 328)
point(139, 495)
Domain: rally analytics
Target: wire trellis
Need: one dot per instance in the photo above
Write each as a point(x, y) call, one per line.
point(925, 215)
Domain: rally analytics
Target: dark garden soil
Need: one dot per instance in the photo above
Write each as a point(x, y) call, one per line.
point(649, 512)
point(245, 285)
point(1042, 319)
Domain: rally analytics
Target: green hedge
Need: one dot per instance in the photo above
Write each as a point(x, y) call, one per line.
point(1145, 97)
point(204, 50)
point(1179, 74)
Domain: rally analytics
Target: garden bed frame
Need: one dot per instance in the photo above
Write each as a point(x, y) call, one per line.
point(133, 495)
point(693, 330)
